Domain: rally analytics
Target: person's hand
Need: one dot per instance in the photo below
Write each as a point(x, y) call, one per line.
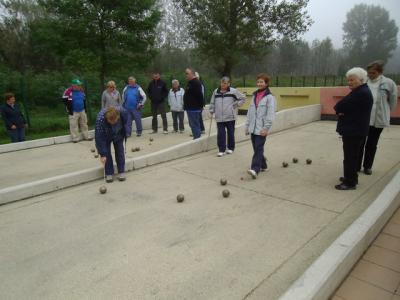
point(103, 159)
point(340, 114)
point(246, 131)
point(13, 127)
point(263, 132)
point(139, 106)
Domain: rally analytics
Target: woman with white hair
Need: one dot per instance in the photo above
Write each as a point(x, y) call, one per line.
point(354, 111)
point(175, 102)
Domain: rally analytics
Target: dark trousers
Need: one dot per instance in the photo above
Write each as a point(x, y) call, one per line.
point(368, 148)
point(351, 150)
point(258, 161)
point(119, 157)
point(17, 135)
point(194, 123)
point(202, 122)
point(137, 116)
point(177, 119)
point(226, 128)
point(155, 109)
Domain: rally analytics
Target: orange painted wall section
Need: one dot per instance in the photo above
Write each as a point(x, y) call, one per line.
point(331, 95)
point(396, 112)
point(289, 97)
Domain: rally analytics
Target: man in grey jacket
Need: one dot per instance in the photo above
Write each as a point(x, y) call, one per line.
point(384, 92)
point(224, 103)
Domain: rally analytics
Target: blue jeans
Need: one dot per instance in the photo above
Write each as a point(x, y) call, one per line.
point(221, 135)
point(201, 121)
point(194, 123)
point(137, 116)
point(17, 135)
point(258, 161)
point(119, 157)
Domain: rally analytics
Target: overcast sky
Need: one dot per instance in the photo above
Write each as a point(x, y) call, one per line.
point(329, 17)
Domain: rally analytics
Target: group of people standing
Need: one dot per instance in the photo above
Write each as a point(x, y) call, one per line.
point(362, 116)
point(114, 121)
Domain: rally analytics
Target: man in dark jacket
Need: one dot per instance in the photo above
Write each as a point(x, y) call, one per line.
point(113, 125)
point(158, 92)
point(354, 112)
point(193, 102)
point(13, 119)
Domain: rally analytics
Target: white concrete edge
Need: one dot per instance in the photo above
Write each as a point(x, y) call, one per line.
point(327, 272)
point(146, 123)
point(285, 119)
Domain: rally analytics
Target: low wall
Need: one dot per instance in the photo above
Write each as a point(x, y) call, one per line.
point(146, 123)
point(286, 97)
point(289, 97)
point(285, 119)
point(322, 278)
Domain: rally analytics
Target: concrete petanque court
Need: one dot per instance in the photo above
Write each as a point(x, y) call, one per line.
point(137, 242)
point(44, 162)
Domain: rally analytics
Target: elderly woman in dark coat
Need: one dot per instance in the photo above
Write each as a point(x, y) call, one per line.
point(354, 112)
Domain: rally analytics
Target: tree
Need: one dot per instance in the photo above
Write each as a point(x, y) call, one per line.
point(15, 32)
point(105, 34)
point(226, 30)
point(323, 55)
point(369, 34)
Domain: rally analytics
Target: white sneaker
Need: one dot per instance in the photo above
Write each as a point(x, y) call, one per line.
point(165, 132)
point(220, 154)
point(252, 173)
point(109, 178)
point(229, 151)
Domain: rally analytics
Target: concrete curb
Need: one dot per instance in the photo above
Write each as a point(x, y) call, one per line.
point(284, 120)
point(322, 278)
point(146, 123)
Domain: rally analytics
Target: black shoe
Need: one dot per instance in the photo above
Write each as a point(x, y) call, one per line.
point(341, 179)
point(367, 171)
point(344, 187)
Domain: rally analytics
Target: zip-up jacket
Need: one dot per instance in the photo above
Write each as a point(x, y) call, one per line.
point(133, 96)
point(12, 116)
point(385, 102)
point(68, 99)
point(193, 99)
point(261, 116)
point(175, 99)
point(354, 112)
point(105, 133)
point(157, 91)
point(224, 105)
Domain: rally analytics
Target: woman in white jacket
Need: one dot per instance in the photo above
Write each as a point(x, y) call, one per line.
point(384, 92)
point(175, 102)
point(260, 115)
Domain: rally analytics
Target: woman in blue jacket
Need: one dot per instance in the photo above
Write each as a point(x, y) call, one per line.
point(113, 125)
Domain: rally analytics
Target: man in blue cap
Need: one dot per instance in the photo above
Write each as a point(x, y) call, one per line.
point(75, 103)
